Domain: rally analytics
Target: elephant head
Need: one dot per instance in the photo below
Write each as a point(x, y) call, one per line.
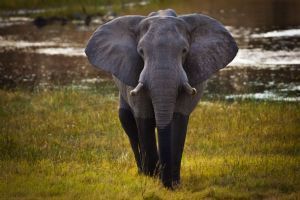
point(162, 53)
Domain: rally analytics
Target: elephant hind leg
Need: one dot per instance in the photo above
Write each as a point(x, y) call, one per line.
point(129, 125)
point(148, 148)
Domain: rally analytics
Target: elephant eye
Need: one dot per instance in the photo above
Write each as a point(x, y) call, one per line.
point(141, 52)
point(184, 51)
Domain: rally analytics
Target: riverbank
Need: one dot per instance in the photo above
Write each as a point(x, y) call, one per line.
point(46, 12)
point(68, 143)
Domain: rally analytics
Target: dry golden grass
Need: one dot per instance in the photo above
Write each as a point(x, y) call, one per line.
point(68, 144)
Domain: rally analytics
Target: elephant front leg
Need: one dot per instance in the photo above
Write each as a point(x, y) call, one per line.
point(165, 157)
point(171, 141)
point(179, 128)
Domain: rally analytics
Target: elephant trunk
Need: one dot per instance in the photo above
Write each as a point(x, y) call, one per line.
point(163, 93)
point(164, 85)
point(163, 109)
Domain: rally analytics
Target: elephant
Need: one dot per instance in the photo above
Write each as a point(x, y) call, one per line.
point(160, 64)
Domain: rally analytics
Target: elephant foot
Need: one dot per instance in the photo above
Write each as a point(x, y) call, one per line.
point(139, 171)
point(176, 184)
point(170, 183)
point(147, 172)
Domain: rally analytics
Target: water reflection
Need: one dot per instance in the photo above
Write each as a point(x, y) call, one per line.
point(260, 58)
point(278, 33)
point(266, 67)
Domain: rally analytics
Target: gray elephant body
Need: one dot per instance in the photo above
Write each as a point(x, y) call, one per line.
point(160, 64)
point(141, 104)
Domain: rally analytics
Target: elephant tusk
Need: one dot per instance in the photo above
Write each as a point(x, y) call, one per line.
point(189, 89)
point(136, 89)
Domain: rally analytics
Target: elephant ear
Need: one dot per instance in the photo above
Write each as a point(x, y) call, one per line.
point(211, 47)
point(113, 48)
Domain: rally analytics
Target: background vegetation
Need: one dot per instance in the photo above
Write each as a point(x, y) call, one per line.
point(68, 144)
point(61, 8)
point(78, 8)
point(38, 4)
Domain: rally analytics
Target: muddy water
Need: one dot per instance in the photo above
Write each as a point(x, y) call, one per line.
point(266, 67)
point(51, 56)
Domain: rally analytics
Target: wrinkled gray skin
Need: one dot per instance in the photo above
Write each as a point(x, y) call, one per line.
point(168, 57)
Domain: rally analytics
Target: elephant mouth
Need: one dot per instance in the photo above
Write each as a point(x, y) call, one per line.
point(186, 86)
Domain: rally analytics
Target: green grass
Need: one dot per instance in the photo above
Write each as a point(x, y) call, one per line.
point(68, 144)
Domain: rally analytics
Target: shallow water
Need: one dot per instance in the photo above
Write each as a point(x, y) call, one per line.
point(267, 65)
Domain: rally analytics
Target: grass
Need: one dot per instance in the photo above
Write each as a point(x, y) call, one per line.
point(68, 144)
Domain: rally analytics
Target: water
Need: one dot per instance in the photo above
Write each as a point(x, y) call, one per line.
point(267, 65)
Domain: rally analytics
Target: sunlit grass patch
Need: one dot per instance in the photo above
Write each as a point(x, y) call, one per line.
point(68, 144)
